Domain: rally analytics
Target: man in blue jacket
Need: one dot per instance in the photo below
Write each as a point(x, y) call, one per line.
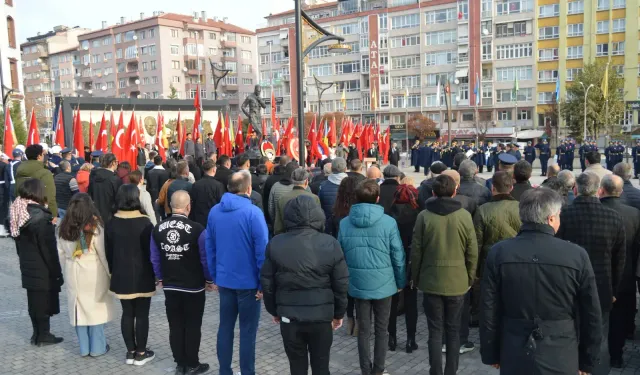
point(376, 261)
point(236, 239)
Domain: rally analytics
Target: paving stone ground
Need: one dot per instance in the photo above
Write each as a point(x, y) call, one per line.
point(18, 357)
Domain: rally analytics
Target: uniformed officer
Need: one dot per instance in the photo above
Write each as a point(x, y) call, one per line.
point(480, 157)
point(436, 150)
point(500, 149)
point(545, 153)
point(504, 159)
point(415, 156)
point(464, 147)
point(491, 151)
point(514, 150)
point(570, 154)
point(620, 150)
point(95, 158)
point(582, 151)
point(529, 153)
point(635, 153)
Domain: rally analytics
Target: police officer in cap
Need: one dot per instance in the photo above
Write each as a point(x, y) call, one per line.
point(529, 153)
point(569, 154)
point(635, 155)
point(505, 162)
point(545, 153)
point(95, 158)
point(582, 151)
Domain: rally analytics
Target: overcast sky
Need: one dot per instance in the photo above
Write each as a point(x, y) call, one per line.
point(35, 16)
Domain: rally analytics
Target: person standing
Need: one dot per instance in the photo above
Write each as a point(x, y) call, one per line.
point(236, 239)
point(81, 249)
point(545, 152)
point(300, 182)
point(394, 154)
point(181, 182)
point(519, 329)
point(592, 161)
point(388, 187)
point(189, 147)
point(329, 191)
point(244, 163)
point(521, 174)
point(308, 306)
point(279, 189)
point(103, 187)
point(469, 187)
point(205, 193)
point(66, 186)
point(180, 266)
point(223, 172)
point(415, 159)
point(33, 167)
point(635, 156)
point(142, 157)
point(630, 194)
point(624, 309)
point(31, 226)
point(156, 177)
point(529, 153)
point(209, 145)
point(136, 179)
point(601, 232)
point(127, 245)
point(199, 152)
point(444, 257)
point(373, 250)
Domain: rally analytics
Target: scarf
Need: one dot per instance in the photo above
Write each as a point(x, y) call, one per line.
point(81, 246)
point(406, 194)
point(337, 178)
point(18, 215)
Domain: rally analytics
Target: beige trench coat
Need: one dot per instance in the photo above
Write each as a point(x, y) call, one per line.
point(87, 282)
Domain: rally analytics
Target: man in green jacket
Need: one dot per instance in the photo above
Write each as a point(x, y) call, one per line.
point(300, 182)
point(34, 167)
point(443, 265)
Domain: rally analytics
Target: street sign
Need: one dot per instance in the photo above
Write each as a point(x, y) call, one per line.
point(279, 100)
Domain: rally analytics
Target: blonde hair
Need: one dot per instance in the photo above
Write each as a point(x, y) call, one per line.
point(408, 181)
point(86, 167)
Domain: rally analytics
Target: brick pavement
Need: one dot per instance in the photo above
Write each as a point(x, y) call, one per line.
point(21, 358)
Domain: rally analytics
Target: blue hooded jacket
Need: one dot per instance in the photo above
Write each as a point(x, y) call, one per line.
point(236, 239)
point(373, 251)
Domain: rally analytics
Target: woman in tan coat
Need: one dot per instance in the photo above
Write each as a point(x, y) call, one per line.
point(82, 255)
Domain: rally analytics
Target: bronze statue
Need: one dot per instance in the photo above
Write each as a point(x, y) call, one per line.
point(251, 108)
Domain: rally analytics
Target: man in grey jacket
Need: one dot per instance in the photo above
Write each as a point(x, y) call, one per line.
point(189, 147)
point(209, 144)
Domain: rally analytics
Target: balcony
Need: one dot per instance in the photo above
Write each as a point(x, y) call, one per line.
point(134, 73)
point(487, 78)
point(487, 102)
point(224, 43)
point(228, 58)
point(487, 14)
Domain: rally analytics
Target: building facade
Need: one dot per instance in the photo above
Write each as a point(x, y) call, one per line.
point(10, 58)
point(167, 55)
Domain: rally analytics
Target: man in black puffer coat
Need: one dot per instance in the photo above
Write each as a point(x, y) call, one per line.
point(305, 281)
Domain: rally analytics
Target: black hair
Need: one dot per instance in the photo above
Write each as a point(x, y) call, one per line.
point(223, 159)
point(242, 159)
point(128, 199)
point(107, 160)
point(367, 191)
point(80, 213)
point(32, 152)
point(444, 186)
point(33, 189)
point(157, 160)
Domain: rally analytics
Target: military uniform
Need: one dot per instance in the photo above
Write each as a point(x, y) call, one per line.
point(569, 155)
point(529, 153)
point(545, 153)
point(608, 154)
point(491, 160)
point(635, 153)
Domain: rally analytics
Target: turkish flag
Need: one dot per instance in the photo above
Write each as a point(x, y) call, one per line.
point(198, 117)
point(131, 141)
point(180, 135)
point(34, 136)
point(8, 132)
point(60, 129)
point(117, 147)
point(91, 138)
point(101, 143)
point(78, 137)
point(332, 137)
point(159, 131)
point(217, 135)
point(239, 139)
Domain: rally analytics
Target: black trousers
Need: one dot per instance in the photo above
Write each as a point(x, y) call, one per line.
point(351, 306)
point(443, 314)
point(307, 342)
point(41, 306)
point(184, 313)
point(621, 322)
point(135, 323)
point(410, 312)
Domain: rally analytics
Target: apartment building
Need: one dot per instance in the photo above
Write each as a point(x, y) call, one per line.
point(39, 76)
point(151, 56)
point(401, 50)
point(10, 58)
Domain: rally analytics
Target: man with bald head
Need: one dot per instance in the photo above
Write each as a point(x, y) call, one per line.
point(624, 310)
point(373, 173)
point(180, 265)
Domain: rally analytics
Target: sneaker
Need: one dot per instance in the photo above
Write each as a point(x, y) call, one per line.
point(467, 347)
point(143, 358)
point(129, 358)
point(200, 369)
point(444, 348)
point(180, 370)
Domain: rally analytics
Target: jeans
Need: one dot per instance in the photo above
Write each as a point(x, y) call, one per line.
point(61, 213)
point(135, 323)
point(92, 340)
point(443, 313)
point(410, 312)
point(465, 319)
point(604, 367)
point(184, 313)
point(380, 309)
point(236, 303)
point(307, 341)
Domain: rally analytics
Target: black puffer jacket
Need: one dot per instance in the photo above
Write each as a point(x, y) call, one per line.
point(103, 186)
point(304, 276)
point(36, 246)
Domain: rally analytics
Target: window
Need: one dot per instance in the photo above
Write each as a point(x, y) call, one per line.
point(152, 33)
point(412, 101)
point(95, 43)
point(145, 66)
point(130, 53)
point(154, 79)
point(618, 48)
point(505, 7)
point(108, 56)
point(128, 36)
point(118, 38)
point(95, 59)
point(575, 7)
point(523, 73)
point(110, 85)
point(514, 51)
point(431, 100)
point(405, 62)
point(146, 81)
point(382, 21)
point(404, 41)
point(404, 21)
point(230, 80)
point(572, 74)
point(618, 25)
point(175, 50)
point(245, 54)
point(231, 65)
point(504, 30)
point(505, 115)
point(549, 32)
point(247, 81)
point(122, 83)
point(152, 50)
point(144, 50)
point(603, 4)
point(405, 82)
point(212, 51)
point(246, 68)
point(319, 70)
point(175, 79)
point(574, 52)
point(434, 78)
point(175, 64)
point(384, 58)
point(548, 54)
point(245, 39)
point(106, 41)
point(575, 29)
point(191, 49)
point(506, 95)
point(547, 75)
point(119, 53)
point(602, 49)
point(231, 36)
point(276, 57)
point(524, 114)
point(174, 33)
point(348, 86)
point(264, 58)
point(347, 67)
point(442, 16)
point(441, 58)
point(546, 97)
point(619, 4)
point(441, 37)
point(550, 10)
point(384, 98)
point(121, 67)
point(143, 34)
point(602, 27)
point(487, 49)
point(619, 69)
point(153, 65)
point(11, 33)
point(318, 52)
point(347, 29)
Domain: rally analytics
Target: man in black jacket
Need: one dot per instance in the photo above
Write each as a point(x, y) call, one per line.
point(630, 195)
point(182, 181)
point(66, 187)
point(224, 172)
point(355, 170)
point(521, 173)
point(600, 230)
point(394, 154)
point(424, 190)
point(104, 185)
point(389, 186)
point(244, 163)
point(624, 309)
point(308, 307)
point(205, 194)
point(469, 187)
point(534, 288)
point(156, 178)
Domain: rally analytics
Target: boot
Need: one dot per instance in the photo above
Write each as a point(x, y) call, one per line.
point(411, 345)
point(351, 324)
point(392, 343)
point(49, 339)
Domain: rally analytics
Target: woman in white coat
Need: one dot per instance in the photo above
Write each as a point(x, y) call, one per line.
point(86, 272)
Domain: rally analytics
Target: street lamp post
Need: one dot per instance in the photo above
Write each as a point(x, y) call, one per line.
point(586, 93)
point(215, 70)
point(321, 87)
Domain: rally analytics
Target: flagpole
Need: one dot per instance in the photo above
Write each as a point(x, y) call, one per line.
point(406, 119)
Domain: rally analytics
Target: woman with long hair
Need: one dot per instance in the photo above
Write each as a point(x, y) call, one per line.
point(81, 248)
point(172, 168)
point(344, 200)
point(128, 248)
point(124, 168)
point(31, 225)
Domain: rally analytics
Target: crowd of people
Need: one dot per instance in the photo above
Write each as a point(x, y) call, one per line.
point(548, 273)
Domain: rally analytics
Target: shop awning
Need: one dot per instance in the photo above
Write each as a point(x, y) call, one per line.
point(529, 134)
